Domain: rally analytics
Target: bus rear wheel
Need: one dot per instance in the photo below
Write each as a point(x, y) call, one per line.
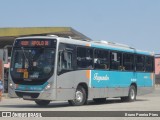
point(42, 102)
point(80, 97)
point(131, 95)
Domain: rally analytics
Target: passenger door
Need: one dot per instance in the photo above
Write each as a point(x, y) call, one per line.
point(65, 74)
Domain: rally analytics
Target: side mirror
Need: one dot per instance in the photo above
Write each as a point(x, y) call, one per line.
point(5, 56)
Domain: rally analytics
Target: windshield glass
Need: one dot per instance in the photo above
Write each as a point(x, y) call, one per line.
point(32, 63)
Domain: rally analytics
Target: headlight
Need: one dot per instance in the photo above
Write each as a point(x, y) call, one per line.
point(10, 85)
point(48, 86)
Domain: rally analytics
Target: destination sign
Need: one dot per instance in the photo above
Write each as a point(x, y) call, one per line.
point(35, 43)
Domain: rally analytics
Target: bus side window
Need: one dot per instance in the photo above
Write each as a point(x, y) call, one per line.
point(149, 64)
point(101, 59)
point(84, 58)
point(65, 60)
point(116, 61)
point(140, 63)
point(128, 62)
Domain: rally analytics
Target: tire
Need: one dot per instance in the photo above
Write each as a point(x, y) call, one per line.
point(131, 95)
point(80, 97)
point(99, 100)
point(42, 102)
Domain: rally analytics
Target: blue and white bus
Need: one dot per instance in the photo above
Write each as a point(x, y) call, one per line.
point(49, 68)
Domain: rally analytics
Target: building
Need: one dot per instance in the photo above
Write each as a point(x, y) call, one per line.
point(8, 35)
point(157, 65)
point(157, 68)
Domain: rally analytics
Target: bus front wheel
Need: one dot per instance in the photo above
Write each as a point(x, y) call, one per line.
point(131, 95)
point(42, 102)
point(80, 97)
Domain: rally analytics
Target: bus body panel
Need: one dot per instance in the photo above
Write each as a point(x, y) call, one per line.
point(68, 82)
point(144, 90)
point(103, 83)
point(65, 86)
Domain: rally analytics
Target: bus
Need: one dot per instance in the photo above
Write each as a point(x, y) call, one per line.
point(49, 68)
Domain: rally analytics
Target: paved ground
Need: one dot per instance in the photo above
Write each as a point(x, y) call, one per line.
point(150, 102)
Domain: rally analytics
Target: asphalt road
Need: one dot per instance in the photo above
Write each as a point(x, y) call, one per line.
point(150, 102)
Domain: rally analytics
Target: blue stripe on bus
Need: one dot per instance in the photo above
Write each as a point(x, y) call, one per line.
point(121, 49)
point(32, 87)
point(102, 79)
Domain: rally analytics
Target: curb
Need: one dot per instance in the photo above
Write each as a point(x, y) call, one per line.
point(5, 95)
point(157, 85)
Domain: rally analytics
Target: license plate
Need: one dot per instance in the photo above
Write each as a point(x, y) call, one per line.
point(26, 97)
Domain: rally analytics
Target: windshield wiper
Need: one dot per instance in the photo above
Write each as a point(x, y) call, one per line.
point(25, 55)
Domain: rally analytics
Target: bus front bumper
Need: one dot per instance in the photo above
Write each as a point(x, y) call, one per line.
point(34, 95)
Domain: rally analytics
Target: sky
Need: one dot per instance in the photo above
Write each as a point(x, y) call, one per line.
point(132, 22)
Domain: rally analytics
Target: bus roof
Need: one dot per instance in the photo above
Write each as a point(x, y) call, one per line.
point(106, 45)
point(97, 44)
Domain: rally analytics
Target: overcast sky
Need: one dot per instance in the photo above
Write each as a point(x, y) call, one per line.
point(132, 22)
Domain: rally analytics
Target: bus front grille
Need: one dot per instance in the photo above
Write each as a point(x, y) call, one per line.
point(32, 95)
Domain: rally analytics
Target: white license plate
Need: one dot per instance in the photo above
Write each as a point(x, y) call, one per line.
point(26, 97)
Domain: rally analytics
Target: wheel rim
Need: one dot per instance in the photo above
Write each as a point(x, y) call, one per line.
point(132, 94)
point(79, 96)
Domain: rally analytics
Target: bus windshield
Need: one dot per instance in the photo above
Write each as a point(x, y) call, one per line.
point(32, 63)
